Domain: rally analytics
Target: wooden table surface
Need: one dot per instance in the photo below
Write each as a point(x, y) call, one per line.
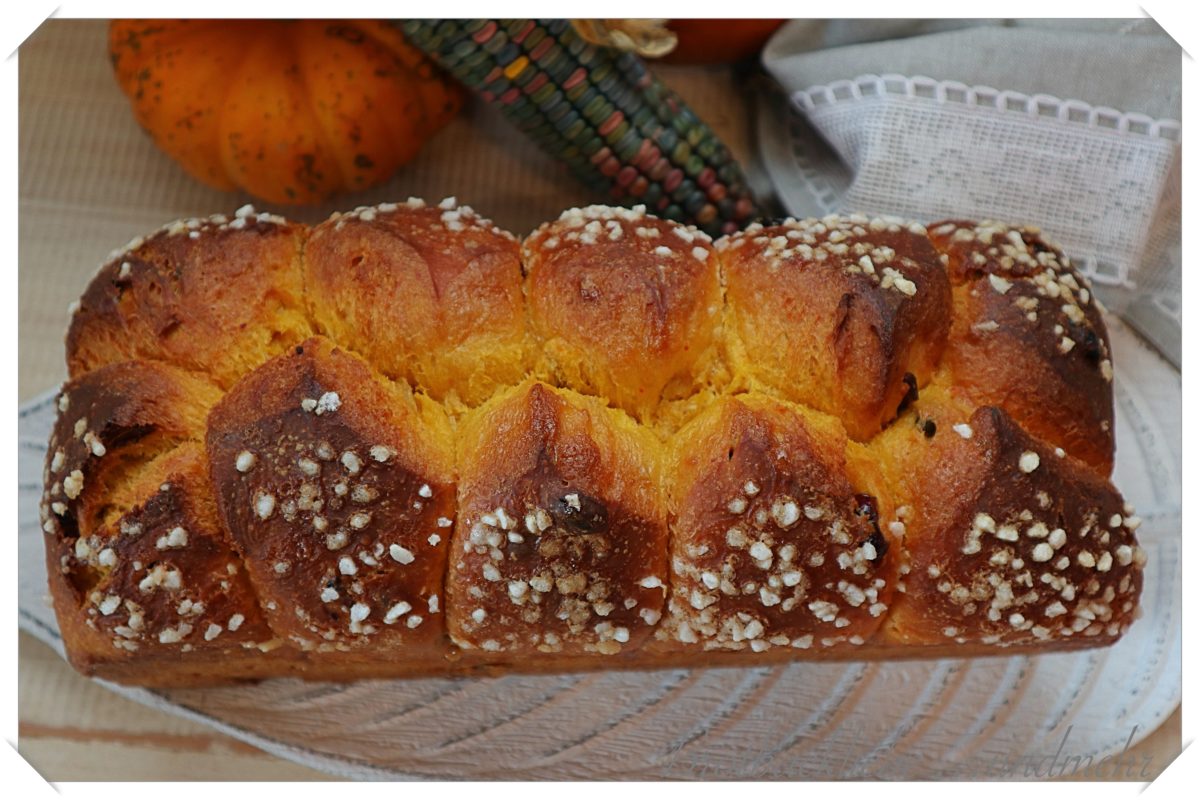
point(89, 181)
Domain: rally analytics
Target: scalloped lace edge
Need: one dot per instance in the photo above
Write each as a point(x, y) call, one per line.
point(1041, 106)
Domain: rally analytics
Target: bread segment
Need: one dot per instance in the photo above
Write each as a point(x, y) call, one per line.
point(624, 306)
point(1011, 541)
point(561, 541)
point(775, 535)
point(1028, 336)
point(217, 296)
point(847, 315)
point(430, 295)
point(338, 489)
point(140, 568)
point(403, 444)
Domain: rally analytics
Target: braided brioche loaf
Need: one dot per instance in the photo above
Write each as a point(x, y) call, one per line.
point(402, 442)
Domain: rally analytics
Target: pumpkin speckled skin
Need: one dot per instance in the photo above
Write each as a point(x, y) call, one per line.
point(289, 111)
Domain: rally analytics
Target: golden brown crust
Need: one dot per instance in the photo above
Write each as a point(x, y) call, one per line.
point(625, 305)
point(1011, 541)
point(844, 314)
point(217, 296)
point(561, 539)
point(428, 294)
point(427, 488)
point(159, 580)
point(139, 565)
point(331, 482)
point(1028, 336)
point(200, 669)
point(774, 540)
point(111, 422)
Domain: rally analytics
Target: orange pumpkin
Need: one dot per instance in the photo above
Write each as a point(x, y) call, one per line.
point(290, 111)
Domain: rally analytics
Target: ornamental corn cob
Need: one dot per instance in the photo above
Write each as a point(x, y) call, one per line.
point(617, 127)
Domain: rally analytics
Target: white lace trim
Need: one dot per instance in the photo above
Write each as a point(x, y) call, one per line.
point(1044, 106)
point(1102, 120)
point(816, 181)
